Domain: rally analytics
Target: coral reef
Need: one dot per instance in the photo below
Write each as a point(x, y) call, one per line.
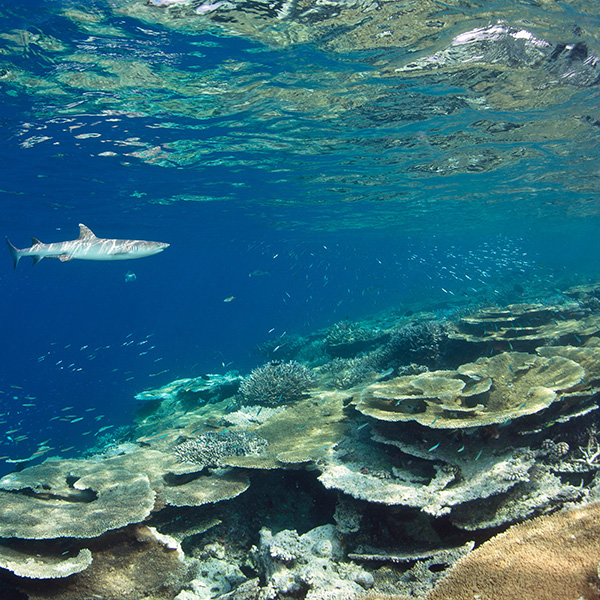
point(346, 373)
point(346, 339)
point(128, 564)
point(421, 343)
point(75, 498)
point(212, 575)
point(523, 328)
point(276, 382)
point(491, 390)
point(85, 498)
point(209, 449)
point(554, 556)
point(309, 566)
point(28, 561)
point(163, 404)
point(369, 473)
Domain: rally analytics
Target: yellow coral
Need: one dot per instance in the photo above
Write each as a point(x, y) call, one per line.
point(549, 558)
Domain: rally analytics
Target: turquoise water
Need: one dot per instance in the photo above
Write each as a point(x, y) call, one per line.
point(307, 163)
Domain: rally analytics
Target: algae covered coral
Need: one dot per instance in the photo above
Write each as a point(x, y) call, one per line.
point(254, 493)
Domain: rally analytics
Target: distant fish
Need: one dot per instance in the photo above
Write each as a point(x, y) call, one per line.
point(229, 299)
point(130, 277)
point(258, 273)
point(87, 247)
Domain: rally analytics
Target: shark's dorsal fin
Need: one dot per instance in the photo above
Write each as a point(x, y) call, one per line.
point(35, 241)
point(85, 233)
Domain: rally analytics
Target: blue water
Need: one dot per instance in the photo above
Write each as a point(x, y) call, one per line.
point(312, 181)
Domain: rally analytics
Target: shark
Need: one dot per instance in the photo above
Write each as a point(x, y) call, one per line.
point(87, 247)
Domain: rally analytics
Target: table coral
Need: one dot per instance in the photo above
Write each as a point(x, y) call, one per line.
point(488, 391)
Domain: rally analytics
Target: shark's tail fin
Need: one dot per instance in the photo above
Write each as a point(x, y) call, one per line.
point(14, 252)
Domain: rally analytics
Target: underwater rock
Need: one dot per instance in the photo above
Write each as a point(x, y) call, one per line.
point(310, 566)
point(347, 515)
point(552, 556)
point(430, 567)
point(276, 382)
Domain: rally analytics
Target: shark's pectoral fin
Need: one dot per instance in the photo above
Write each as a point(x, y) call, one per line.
point(64, 257)
point(36, 259)
point(85, 233)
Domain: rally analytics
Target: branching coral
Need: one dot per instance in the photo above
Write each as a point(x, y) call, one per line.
point(421, 343)
point(276, 382)
point(590, 453)
point(345, 339)
point(348, 372)
point(209, 448)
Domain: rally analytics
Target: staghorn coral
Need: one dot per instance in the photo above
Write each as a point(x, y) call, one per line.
point(276, 382)
point(209, 448)
point(421, 343)
point(346, 339)
point(348, 372)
